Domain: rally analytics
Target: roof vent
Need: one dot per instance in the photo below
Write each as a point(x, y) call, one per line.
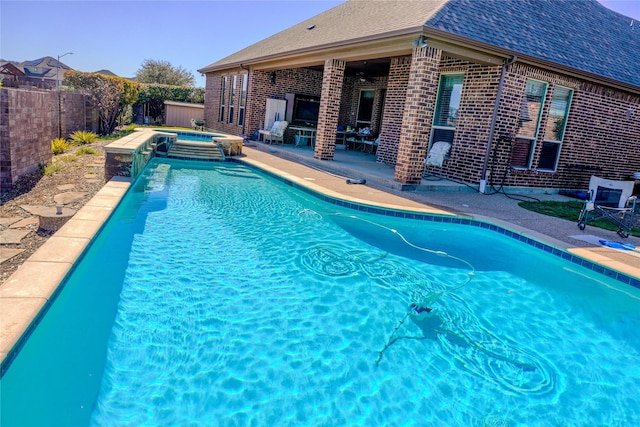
point(311, 27)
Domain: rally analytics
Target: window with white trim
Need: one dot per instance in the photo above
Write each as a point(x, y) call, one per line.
point(554, 128)
point(223, 89)
point(529, 124)
point(243, 99)
point(447, 106)
point(232, 97)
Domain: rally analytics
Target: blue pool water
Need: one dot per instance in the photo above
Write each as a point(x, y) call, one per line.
point(216, 295)
point(192, 136)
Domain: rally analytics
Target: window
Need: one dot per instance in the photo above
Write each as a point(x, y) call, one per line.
point(243, 99)
point(554, 129)
point(447, 106)
point(232, 98)
point(223, 89)
point(529, 121)
point(365, 109)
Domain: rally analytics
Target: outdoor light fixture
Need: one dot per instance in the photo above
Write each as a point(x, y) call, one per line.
point(58, 90)
point(58, 69)
point(420, 42)
point(273, 77)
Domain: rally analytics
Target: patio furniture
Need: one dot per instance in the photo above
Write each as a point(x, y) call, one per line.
point(439, 150)
point(276, 133)
point(611, 200)
point(304, 135)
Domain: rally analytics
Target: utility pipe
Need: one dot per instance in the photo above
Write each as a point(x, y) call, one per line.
point(483, 175)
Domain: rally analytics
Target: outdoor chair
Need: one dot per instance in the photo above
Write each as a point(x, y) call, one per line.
point(438, 152)
point(276, 133)
point(611, 200)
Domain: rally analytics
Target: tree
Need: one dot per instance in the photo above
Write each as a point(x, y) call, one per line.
point(109, 94)
point(162, 72)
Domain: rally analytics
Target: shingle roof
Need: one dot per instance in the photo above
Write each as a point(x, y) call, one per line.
point(355, 20)
point(580, 34)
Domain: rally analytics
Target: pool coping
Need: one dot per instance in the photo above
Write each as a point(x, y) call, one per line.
point(29, 291)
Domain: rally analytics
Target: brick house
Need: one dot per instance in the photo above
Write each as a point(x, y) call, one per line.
point(528, 93)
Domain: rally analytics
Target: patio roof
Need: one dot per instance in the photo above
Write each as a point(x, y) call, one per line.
point(579, 37)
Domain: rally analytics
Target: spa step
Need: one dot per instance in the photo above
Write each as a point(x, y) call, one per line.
point(196, 150)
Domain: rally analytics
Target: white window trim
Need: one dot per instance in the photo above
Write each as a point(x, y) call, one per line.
point(534, 138)
point(433, 119)
point(564, 128)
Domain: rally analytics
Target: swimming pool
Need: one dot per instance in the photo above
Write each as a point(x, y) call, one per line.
point(185, 310)
point(193, 136)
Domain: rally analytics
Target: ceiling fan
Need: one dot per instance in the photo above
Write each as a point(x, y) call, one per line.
point(360, 75)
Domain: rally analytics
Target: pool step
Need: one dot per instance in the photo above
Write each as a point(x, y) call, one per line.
point(196, 150)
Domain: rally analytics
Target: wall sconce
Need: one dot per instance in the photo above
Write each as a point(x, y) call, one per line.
point(273, 77)
point(420, 42)
point(629, 113)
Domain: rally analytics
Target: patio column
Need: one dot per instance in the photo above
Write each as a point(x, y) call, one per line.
point(418, 115)
point(330, 96)
point(391, 127)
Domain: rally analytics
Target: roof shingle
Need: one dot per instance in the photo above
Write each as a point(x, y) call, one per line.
point(580, 34)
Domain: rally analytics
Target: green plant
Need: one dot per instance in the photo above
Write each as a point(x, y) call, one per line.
point(82, 137)
point(86, 150)
point(67, 158)
point(110, 95)
point(59, 146)
point(50, 169)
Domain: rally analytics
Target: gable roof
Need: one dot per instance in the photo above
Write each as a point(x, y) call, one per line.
point(10, 69)
point(46, 67)
point(580, 35)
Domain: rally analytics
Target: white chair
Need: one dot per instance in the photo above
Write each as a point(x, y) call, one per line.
point(276, 133)
point(439, 150)
point(611, 200)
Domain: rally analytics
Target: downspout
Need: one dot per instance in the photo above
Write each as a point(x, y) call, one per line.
point(496, 107)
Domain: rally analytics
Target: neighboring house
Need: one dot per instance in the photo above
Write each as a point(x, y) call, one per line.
point(9, 71)
point(529, 93)
point(45, 69)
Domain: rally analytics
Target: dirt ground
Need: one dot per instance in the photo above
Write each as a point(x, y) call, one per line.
point(83, 174)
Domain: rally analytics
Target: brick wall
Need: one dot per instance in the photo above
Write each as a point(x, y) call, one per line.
point(418, 115)
point(394, 109)
point(329, 109)
point(602, 132)
point(261, 86)
point(28, 123)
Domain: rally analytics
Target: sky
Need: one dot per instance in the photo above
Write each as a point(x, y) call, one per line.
point(118, 35)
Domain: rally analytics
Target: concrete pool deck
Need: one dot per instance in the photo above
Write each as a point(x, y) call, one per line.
point(24, 295)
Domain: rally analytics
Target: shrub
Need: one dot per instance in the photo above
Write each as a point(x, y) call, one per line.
point(48, 170)
point(86, 150)
point(82, 137)
point(59, 146)
point(67, 158)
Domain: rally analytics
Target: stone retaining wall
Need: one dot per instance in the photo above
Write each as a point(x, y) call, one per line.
point(29, 120)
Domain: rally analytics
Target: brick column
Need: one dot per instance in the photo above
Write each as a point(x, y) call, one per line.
point(393, 110)
point(418, 115)
point(332, 81)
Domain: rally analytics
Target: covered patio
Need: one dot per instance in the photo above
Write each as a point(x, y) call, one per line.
point(358, 165)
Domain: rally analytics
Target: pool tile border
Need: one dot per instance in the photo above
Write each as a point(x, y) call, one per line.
point(566, 255)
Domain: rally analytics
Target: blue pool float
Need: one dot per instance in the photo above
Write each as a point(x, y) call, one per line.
point(618, 245)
